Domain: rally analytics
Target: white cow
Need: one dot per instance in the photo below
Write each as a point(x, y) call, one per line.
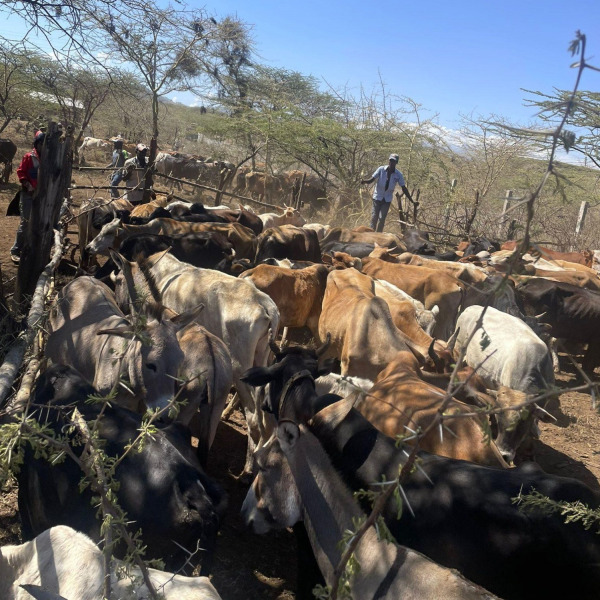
point(90, 142)
point(288, 216)
point(505, 351)
point(245, 318)
point(66, 564)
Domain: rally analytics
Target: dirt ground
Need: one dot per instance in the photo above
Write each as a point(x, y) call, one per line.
point(263, 567)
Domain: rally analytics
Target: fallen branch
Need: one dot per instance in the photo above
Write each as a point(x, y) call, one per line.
point(14, 357)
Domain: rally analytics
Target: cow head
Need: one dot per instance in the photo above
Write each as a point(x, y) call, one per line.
point(273, 500)
point(383, 254)
point(107, 238)
point(514, 422)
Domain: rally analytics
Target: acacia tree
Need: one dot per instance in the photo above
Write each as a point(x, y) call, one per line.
point(163, 48)
point(486, 153)
point(78, 92)
point(15, 85)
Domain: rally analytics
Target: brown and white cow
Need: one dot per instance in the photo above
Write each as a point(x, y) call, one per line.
point(429, 286)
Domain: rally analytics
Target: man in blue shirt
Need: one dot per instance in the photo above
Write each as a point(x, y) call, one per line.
point(386, 178)
point(119, 156)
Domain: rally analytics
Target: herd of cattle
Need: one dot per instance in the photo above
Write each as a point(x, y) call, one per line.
point(245, 180)
point(190, 304)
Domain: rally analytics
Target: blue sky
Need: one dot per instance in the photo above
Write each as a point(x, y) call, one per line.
point(453, 58)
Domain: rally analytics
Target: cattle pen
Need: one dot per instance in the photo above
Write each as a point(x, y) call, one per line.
point(247, 565)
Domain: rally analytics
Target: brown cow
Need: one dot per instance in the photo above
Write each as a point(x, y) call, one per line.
point(339, 234)
point(145, 210)
point(584, 257)
point(360, 325)
point(577, 278)
point(429, 286)
point(401, 403)
point(298, 293)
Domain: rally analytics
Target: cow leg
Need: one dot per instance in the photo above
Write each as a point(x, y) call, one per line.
point(591, 359)
point(553, 349)
point(235, 403)
point(284, 337)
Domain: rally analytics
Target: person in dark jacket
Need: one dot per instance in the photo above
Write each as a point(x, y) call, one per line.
point(119, 156)
point(28, 177)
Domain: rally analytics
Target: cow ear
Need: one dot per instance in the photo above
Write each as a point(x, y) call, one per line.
point(257, 376)
point(187, 317)
point(327, 260)
point(335, 413)
point(288, 434)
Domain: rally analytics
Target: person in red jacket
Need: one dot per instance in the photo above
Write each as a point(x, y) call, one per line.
point(28, 176)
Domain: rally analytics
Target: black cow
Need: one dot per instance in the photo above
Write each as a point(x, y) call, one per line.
point(573, 313)
point(356, 249)
point(481, 244)
point(464, 515)
point(417, 242)
point(290, 242)
point(8, 149)
point(204, 249)
point(162, 489)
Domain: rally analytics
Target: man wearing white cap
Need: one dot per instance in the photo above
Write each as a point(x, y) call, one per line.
point(386, 179)
point(135, 179)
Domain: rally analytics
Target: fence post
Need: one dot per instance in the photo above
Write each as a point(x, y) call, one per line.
point(581, 218)
point(54, 178)
point(505, 207)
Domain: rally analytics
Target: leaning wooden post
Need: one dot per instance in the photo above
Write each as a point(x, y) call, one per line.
point(148, 181)
point(299, 197)
point(581, 218)
point(54, 178)
point(416, 206)
point(505, 207)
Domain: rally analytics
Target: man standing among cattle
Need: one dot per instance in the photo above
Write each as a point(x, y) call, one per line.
point(386, 178)
point(28, 177)
point(133, 177)
point(118, 161)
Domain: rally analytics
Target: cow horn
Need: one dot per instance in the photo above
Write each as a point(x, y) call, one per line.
point(452, 340)
point(437, 361)
point(323, 347)
point(541, 315)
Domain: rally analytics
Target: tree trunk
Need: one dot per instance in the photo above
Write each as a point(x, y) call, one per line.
point(54, 177)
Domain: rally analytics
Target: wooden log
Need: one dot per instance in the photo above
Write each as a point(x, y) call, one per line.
point(14, 357)
point(54, 177)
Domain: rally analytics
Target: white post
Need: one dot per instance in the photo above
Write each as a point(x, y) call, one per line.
point(581, 218)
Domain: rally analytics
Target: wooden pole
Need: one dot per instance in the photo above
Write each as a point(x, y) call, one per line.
point(54, 177)
point(298, 198)
point(581, 218)
point(505, 207)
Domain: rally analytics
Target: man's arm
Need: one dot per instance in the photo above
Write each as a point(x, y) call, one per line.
point(407, 194)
